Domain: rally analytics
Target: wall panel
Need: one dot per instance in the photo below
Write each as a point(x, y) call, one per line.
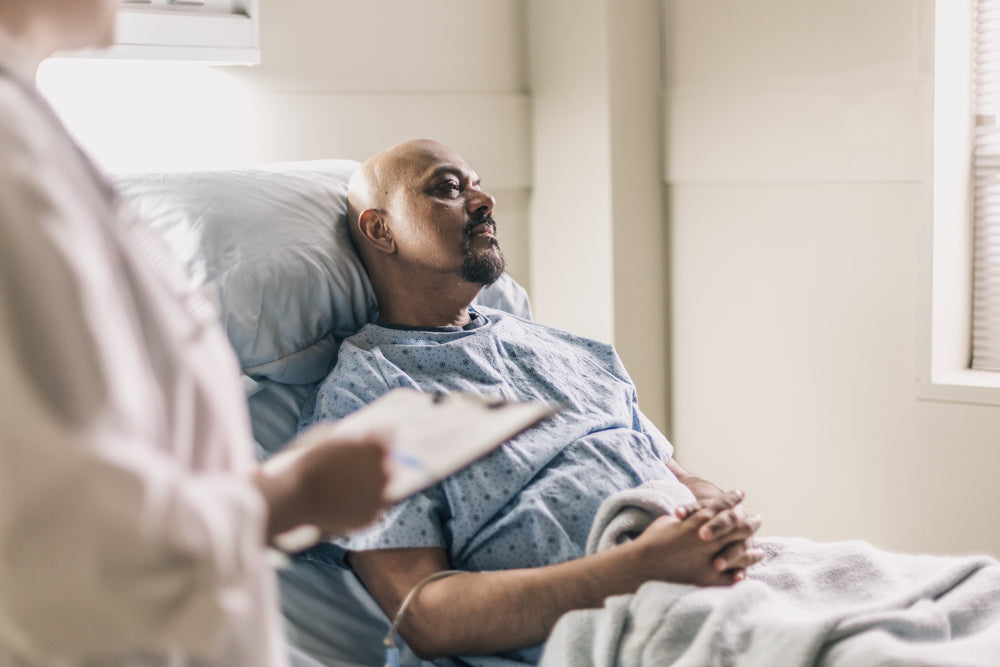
point(796, 150)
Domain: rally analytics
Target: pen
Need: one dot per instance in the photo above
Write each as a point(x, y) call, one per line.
point(406, 459)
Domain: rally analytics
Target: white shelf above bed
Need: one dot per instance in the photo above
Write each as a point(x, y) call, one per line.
point(222, 32)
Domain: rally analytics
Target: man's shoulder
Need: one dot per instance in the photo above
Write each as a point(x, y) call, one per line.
point(354, 382)
point(513, 322)
point(549, 340)
point(356, 361)
point(362, 342)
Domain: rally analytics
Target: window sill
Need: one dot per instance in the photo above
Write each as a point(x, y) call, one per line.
point(962, 386)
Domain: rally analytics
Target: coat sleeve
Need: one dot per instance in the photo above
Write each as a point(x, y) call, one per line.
point(108, 543)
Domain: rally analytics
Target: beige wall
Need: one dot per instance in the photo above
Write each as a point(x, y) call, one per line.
point(345, 79)
point(797, 137)
point(793, 156)
point(597, 233)
point(338, 79)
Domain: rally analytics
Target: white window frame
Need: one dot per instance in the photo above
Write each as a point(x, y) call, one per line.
point(219, 32)
point(944, 351)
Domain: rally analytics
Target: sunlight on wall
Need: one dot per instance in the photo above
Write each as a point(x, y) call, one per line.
point(138, 116)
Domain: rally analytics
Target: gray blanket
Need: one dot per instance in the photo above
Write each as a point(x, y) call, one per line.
point(845, 604)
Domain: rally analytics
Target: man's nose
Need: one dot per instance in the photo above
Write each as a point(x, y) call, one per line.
point(481, 202)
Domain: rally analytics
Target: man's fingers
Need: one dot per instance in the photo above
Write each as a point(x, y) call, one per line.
point(727, 578)
point(737, 556)
point(731, 525)
point(727, 500)
point(719, 525)
point(708, 509)
point(684, 511)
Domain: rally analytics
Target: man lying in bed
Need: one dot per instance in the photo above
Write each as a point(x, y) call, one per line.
point(517, 521)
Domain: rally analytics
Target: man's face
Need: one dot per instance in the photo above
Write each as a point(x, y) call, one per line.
point(442, 219)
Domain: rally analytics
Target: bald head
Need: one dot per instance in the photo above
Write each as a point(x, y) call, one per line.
point(381, 174)
point(382, 177)
point(422, 223)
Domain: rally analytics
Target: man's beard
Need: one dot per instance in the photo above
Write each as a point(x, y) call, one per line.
point(482, 266)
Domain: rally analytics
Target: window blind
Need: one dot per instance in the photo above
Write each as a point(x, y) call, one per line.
point(986, 188)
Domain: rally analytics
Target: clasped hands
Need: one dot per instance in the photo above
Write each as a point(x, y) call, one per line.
point(706, 542)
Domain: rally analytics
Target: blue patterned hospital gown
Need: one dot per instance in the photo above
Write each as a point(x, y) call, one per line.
point(531, 502)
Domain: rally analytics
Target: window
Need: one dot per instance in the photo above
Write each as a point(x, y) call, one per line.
point(986, 187)
point(944, 365)
point(211, 31)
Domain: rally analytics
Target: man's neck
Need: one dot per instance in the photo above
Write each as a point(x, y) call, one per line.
point(426, 320)
point(427, 308)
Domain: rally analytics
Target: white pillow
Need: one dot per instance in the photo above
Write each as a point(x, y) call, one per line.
point(272, 243)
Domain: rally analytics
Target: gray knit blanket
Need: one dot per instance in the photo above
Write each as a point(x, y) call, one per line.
point(843, 604)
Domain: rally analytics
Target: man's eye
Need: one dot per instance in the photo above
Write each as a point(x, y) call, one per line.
point(449, 187)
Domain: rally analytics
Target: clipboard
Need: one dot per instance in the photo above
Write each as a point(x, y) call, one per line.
point(431, 436)
point(434, 435)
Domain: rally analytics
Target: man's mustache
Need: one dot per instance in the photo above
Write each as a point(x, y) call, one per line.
point(484, 219)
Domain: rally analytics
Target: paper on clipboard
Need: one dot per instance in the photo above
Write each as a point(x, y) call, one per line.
point(434, 435)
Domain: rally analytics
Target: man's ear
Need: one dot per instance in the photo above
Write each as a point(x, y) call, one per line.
point(375, 231)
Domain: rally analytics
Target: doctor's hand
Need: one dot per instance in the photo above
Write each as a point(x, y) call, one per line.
point(324, 480)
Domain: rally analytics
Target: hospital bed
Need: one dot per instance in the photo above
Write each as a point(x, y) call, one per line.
point(269, 245)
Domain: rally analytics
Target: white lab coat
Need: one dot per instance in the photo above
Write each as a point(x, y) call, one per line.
point(130, 533)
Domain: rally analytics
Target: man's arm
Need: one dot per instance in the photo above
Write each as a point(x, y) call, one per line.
point(491, 612)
